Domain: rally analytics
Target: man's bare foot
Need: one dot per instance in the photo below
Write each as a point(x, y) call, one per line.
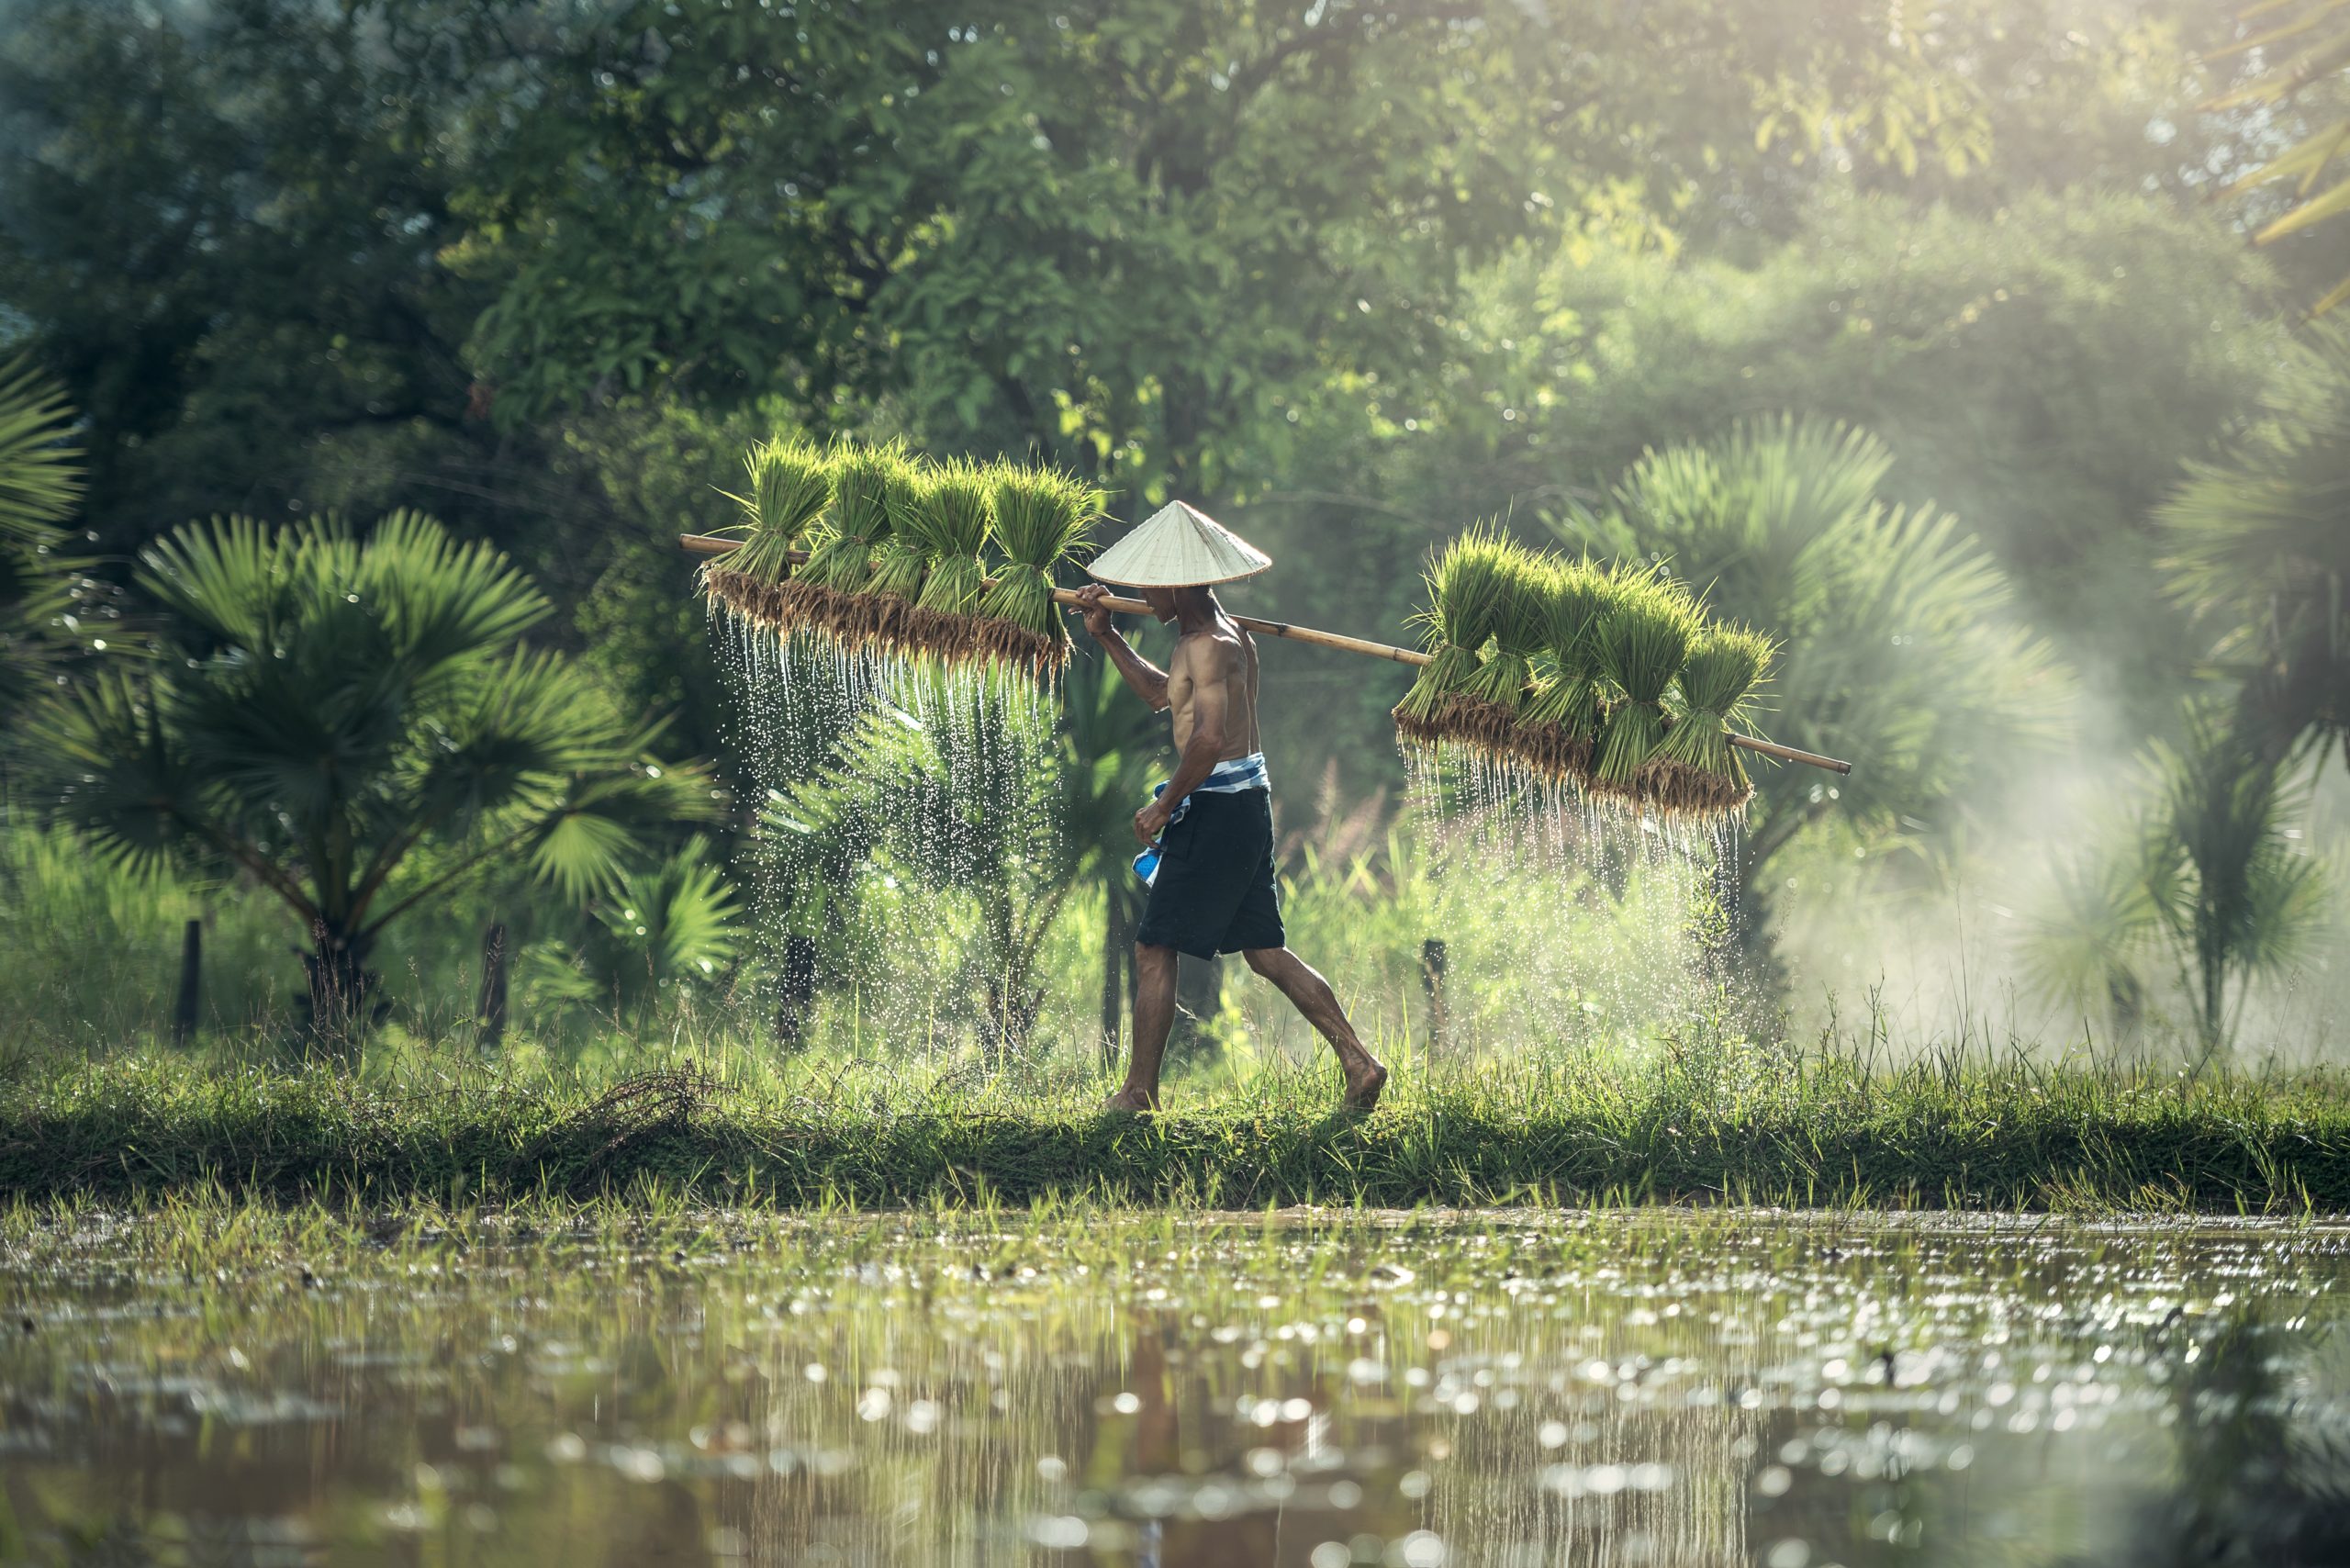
point(1134, 1103)
point(1363, 1084)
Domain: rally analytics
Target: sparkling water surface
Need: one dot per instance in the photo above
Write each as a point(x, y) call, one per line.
point(1304, 1388)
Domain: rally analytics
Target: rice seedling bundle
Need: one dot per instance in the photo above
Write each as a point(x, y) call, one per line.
point(1043, 516)
point(1695, 770)
point(840, 560)
point(899, 561)
point(1643, 642)
point(791, 486)
point(1495, 693)
point(1466, 585)
point(952, 519)
point(1559, 727)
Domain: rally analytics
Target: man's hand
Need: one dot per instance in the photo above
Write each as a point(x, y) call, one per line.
point(1090, 606)
point(1151, 821)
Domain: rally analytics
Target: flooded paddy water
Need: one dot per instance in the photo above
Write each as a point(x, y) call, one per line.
point(1090, 1387)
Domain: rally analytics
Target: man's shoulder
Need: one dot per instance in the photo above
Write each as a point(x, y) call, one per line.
point(1213, 645)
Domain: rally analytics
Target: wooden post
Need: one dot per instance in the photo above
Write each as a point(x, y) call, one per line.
point(1199, 997)
point(492, 1011)
point(1432, 961)
point(798, 998)
point(1117, 939)
point(185, 1004)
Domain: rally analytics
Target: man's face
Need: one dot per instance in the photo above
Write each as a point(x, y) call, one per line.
point(1161, 601)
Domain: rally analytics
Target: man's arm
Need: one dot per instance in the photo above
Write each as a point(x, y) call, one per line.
point(1146, 679)
point(1213, 666)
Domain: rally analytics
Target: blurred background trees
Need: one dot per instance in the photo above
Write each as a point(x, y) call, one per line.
point(1347, 275)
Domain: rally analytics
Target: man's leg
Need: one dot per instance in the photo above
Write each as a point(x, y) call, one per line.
point(1153, 1016)
point(1312, 995)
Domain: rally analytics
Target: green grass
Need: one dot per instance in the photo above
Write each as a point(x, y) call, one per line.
point(1709, 1120)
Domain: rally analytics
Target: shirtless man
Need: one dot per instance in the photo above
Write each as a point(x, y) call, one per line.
point(1212, 888)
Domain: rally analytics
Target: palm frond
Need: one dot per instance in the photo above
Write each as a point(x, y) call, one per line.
point(119, 773)
point(443, 600)
point(2325, 25)
point(41, 470)
point(2259, 550)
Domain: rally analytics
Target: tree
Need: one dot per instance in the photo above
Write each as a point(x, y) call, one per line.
point(352, 723)
point(2235, 897)
point(218, 228)
point(2210, 883)
point(1902, 651)
point(1161, 242)
point(2259, 550)
point(2087, 943)
point(1032, 229)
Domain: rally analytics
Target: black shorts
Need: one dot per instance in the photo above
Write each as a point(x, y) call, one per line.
point(1215, 892)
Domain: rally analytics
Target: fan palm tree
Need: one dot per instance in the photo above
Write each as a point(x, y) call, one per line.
point(2234, 896)
point(2259, 548)
point(40, 480)
point(352, 723)
point(2089, 937)
point(1901, 645)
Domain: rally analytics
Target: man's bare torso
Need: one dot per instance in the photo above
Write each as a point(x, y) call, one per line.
point(1200, 653)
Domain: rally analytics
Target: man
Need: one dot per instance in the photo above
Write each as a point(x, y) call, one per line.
point(1208, 834)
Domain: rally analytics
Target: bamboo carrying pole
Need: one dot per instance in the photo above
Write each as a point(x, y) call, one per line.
point(708, 544)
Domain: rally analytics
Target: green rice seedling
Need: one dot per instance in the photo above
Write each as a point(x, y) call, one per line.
point(1466, 583)
point(1697, 771)
point(1495, 691)
point(791, 485)
point(841, 562)
point(1043, 516)
point(1559, 728)
point(1643, 640)
point(899, 562)
point(953, 521)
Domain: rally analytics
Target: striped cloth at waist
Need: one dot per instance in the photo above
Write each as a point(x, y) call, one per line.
point(1231, 776)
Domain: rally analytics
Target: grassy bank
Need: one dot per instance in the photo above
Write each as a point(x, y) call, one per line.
point(1715, 1122)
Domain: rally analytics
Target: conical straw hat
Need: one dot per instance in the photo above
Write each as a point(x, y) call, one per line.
point(1180, 546)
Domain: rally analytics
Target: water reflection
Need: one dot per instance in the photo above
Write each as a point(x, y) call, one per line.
point(1322, 1391)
